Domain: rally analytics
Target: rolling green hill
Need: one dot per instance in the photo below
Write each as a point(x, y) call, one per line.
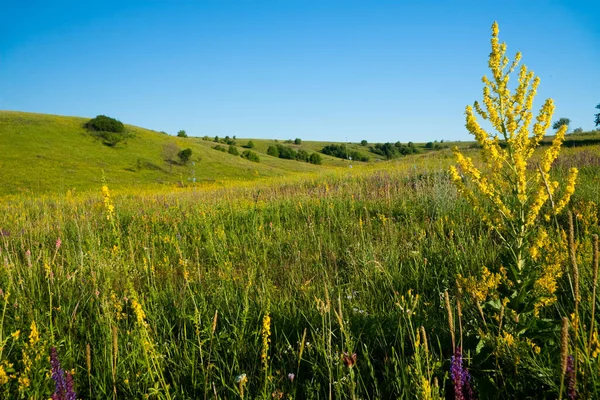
point(42, 153)
point(46, 153)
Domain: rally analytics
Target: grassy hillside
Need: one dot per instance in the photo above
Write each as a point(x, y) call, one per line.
point(46, 153)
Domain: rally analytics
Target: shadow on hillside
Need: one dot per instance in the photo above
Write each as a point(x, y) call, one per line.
point(574, 142)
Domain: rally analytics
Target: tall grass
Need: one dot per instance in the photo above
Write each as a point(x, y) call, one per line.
point(169, 296)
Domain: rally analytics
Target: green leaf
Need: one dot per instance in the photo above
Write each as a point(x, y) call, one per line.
point(479, 346)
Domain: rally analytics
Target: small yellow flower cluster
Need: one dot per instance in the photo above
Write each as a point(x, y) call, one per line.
point(3, 376)
point(539, 242)
point(534, 347)
point(266, 339)
point(117, 307)
point(425, 392)
point(569, 190)
point(586, 213)
point(31, 353)
point(48, 270)
point(108, 206)
point(508, 339)
point(34, 336)
point(595, 345)
point(139, 312)
point(551, 257)
point(480, 289)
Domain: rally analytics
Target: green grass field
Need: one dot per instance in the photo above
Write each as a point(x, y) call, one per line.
point(256, 290)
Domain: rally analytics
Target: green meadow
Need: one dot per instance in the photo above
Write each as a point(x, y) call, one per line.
point(299, 285)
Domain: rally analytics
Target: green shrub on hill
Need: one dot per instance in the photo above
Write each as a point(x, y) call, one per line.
point(102, 123)
point(109, 130)
point(184, 155)
point(233, 150)
point(273, 151)
point(341, 151)
point(250, 155)
point(315, 158)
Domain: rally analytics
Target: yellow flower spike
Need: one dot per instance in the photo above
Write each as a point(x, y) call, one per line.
point(34, 335)
point(569, 190)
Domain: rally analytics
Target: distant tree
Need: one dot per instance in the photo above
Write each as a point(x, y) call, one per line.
point(577, 130)
point(388, 150)
point(302, 155)
point(286, 153)
point(429, 145)
point(561, 122)
point(220, 148)
point(109, 130)
point(364, 143)
point(315, 158)
point(250, 144)
point(597, 120)
point(182, 133)
point(298, 141)
point(233, 150)
point(216, 139)
point(102, 123)
point(341, 151)
point(250, 155)
point(169, 154)
point(273, 151)
point(184, 155)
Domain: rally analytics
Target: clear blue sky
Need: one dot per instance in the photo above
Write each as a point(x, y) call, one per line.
point(318, 70)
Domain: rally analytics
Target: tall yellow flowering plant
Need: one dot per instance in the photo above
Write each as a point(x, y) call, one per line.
point(512, 188)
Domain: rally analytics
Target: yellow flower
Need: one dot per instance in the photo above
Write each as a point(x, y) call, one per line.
point(24, 382)
point(266, 334)
point(139, 312)
point(34, 336)
point(508, 339)
point(3, 376)
point(569, 190)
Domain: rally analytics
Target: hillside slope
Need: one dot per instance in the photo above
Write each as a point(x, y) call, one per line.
point(47, 153)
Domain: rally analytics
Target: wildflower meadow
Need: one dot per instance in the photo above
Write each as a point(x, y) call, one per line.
point(466, 274)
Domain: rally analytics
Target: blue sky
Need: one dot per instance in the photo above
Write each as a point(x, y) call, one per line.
point(318, 70)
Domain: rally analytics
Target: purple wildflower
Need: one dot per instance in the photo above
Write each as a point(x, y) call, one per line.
point(63, 382)
point(291, 376)
point(571, 390)
point(456, 373)
point(460, 377)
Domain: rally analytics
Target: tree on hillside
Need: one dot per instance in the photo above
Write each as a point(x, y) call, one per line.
point(182, 133)
point(102, 123)
point(597, 120)
point(169, 154)
point(184, 155)
point(561, 122)
point(111, 131)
